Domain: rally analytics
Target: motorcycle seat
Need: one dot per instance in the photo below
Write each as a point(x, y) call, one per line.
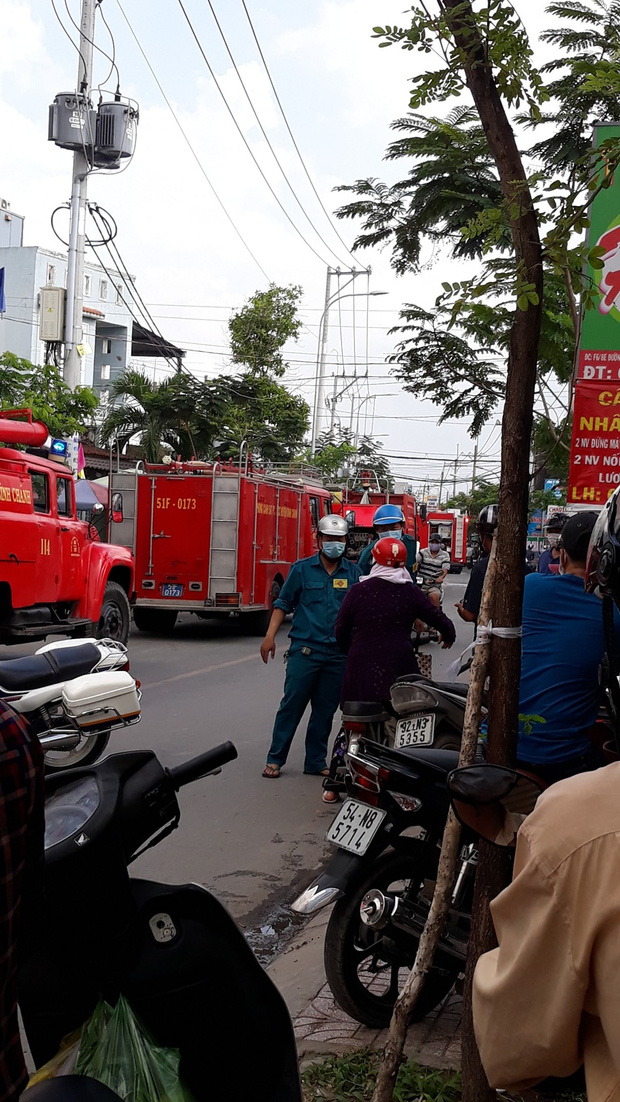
point(370, 711)
point(454, 687)
point(35, 671)
point(444, 761)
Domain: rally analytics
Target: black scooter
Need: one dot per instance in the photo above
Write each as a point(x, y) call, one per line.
point(173, 951)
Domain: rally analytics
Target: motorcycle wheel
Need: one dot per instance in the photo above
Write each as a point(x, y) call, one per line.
point(364, 969)
point(446, 739)
point(87, 751)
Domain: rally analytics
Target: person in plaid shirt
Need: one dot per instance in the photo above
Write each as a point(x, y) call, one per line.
point(22, 805)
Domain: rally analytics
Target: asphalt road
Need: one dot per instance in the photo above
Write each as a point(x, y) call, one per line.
point(254, 842)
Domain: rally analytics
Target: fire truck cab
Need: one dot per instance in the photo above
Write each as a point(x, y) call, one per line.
point(55, 574)
point(359, 506)
point(212, 538)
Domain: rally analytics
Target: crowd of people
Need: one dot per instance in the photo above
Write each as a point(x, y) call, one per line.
point(546, 999)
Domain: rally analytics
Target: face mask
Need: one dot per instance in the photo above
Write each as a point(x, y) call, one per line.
point(333, 550)
point(553, 539)
point(434, 546)
point(392, 534)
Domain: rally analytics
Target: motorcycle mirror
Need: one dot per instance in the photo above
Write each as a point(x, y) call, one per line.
point(493, 801)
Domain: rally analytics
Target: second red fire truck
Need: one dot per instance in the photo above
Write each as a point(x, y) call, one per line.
point(212, 538)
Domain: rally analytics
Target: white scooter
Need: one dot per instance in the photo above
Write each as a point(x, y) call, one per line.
point(72, 694)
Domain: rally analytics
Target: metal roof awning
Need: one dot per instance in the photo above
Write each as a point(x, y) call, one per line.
point(145, 343)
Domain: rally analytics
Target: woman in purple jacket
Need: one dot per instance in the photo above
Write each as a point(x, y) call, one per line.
point(375, 622)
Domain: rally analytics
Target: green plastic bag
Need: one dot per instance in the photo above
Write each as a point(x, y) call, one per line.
point(116, 1049)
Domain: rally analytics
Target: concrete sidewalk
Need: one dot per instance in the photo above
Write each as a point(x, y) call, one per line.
point(322, 1027)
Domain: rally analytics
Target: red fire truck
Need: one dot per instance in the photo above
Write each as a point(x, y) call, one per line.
point(359, 507)
point(55, 574)
point(212, 538)
point(452, 528)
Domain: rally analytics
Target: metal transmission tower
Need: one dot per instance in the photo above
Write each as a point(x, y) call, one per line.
point(101, 137)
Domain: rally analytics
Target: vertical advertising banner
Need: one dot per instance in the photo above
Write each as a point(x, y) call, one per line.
point(595, 446)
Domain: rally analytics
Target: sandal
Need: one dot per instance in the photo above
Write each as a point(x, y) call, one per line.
point(271, 771)
point(330, 796)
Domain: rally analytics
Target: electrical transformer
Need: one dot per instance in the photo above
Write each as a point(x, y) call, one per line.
point(52, 319)
point(116, 133)
point(72, 121)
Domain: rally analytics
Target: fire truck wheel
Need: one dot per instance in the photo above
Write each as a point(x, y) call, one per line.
point(260, 620)
point(115, 615)
point(154, 619)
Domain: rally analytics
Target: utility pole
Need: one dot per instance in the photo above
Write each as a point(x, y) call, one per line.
point(456, 463)
point(473, 473)
point(443, 471)
point(81, 168)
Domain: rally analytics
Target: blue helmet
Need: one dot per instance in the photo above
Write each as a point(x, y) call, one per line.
point(388, 514)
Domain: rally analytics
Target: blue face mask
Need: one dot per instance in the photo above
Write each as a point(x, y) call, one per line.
point(333, 550)
point(392, 534)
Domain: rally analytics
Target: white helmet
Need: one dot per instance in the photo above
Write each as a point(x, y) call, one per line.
point(333, 525)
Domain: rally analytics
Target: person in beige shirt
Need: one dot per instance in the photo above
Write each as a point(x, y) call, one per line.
point(548, 999)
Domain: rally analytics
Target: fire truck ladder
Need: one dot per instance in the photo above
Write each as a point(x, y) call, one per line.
point(224, 533)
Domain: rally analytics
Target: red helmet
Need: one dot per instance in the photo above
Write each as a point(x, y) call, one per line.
point(389, 552)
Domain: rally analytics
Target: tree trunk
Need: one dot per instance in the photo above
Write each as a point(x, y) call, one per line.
point(505, 663)
point(393, 1051)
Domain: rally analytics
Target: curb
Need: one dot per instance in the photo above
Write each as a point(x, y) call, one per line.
point(322, 1028)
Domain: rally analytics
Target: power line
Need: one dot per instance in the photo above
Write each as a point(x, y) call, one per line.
point(191, 148)
point(286, 123)
point(242, 135)
point(266, 137)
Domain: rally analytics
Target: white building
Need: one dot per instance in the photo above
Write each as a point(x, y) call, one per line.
point(108, 326)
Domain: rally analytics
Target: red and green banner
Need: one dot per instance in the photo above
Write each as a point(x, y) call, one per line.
point(595, 447)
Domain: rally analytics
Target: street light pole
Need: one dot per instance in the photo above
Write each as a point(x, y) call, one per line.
point(319, 386)
point(77, 236)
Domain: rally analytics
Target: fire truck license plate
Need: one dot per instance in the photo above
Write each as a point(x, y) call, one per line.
point(355, 826)
point(170, 590)
point(416, 731)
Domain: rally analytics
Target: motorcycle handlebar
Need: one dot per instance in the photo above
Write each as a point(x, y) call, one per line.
point(195, 768)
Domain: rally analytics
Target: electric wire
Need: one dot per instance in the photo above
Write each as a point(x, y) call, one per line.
point(191, 148)
point(266, 136)
point(286, 123)
point(243, 137)
point(99, 49)
point(75, 47)
point(134, 293)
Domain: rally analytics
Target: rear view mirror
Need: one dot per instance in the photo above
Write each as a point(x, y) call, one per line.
point(117, 508)
point(350, 518)
point(97, 509)
point(493, 801)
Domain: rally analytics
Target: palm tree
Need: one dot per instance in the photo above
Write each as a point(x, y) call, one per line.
point(160, 413)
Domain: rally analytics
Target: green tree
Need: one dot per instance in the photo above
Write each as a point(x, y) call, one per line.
point(451, 197)
point(483, 493)
point(340, 456)
point(158, 413)
point(265, 414)
point(259, 330)
point(43, 390)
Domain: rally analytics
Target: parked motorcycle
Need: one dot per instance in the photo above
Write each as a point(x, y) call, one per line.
point(421, 712)
point(173, 951)
point(73, 694)
point(382, 877)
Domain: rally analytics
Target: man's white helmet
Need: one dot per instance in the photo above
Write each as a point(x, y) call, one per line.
point(333, 525)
